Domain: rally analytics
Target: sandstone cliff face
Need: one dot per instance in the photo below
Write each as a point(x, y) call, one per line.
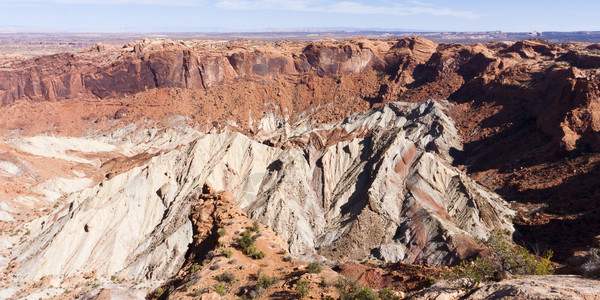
point(557, 86)
point(327, 59)
point(47, 78)
point(165, 64)
point(405, 56)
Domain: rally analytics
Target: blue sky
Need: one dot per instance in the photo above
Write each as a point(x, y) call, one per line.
point(249, 15)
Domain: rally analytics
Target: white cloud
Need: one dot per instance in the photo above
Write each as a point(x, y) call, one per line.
point(346, 7)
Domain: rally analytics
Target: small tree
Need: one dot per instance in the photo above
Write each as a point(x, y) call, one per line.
point(469, 273)
point(508, 259)
point(517, 260)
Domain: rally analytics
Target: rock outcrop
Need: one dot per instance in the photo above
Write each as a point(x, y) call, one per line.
point(530, 287)
point(393, 193)
point(153, 64)
point(384, 187)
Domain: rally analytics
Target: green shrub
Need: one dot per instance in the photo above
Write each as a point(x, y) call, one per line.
point(380, 75)
point(508, 259)
point(222, 232)
point(517, 260)
point(264, 281)
point(247, 240)
point(195, 268)
point(469, 273)
point(250, 251)
point(220, 288)
point(544, 266)
point(388, 294)
point(314, 267)
point(227, 252)
point(159, 292)
point(258, 255)
point(247, 244)
point(255, 226)
point(302, 288)
point(365, 293)
point(351, 290)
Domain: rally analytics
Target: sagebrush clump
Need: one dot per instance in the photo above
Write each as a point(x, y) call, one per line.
point(516, 260)
point(591, 268)
point(226, 277)
point(469, 273)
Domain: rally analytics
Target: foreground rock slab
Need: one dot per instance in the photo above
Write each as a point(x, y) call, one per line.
point(530, 287)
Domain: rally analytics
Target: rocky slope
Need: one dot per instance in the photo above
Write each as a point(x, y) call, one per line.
point(384, 187)
point(216, 265)
point(310, 140)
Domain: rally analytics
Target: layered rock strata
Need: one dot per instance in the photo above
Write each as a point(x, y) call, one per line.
point(379, 183)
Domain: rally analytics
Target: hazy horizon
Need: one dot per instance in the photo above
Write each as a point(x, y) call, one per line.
point(268, 30)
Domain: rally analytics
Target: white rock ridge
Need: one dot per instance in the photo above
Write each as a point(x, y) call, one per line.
point(380, 184)
point(392, 193)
